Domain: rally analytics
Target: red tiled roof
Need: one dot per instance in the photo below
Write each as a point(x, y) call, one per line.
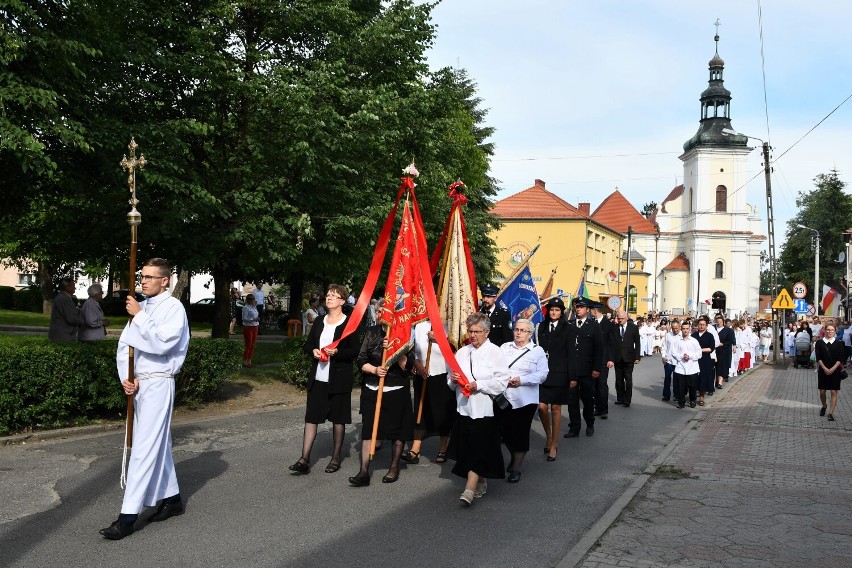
point(680, 262)
point(674, 194)
point(536, 203)
point(618, 213)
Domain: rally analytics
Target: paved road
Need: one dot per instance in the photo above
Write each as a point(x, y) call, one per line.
point(244, 509)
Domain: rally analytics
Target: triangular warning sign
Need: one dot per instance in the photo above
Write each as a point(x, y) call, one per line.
point(784, 301)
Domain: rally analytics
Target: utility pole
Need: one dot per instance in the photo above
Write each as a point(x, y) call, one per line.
point(627, 284)
point(773, 275)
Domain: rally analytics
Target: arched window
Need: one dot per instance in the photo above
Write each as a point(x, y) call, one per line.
point(690, 200)
point(721, 199)
point(720, 269)
point(632, 297)
point(719, 301)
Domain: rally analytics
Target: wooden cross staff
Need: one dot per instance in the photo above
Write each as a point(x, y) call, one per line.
point(134, 218)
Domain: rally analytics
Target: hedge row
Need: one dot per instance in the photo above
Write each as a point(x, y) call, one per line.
point(50, 385)
point(7, 297)
point(28, 300)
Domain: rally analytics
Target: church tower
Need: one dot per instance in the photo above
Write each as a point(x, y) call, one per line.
point(718, 226)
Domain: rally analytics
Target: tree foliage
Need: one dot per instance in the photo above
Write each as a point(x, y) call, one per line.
point(275, 133)
point(828, 210)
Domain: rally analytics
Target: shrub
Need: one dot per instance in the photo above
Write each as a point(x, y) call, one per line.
point(27, 300)
point(7, 294)
point(49, 385)
point(297, 364)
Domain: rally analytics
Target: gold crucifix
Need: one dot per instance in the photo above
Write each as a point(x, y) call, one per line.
point(130, 164)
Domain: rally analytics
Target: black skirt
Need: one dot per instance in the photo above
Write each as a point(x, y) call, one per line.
point(396, 419)
point(553, 395)
point(322, 406)
point(439, 406)
point(828, 382)
point(515, 425)
point(475, 445)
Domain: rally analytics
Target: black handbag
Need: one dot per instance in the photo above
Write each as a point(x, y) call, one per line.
point(843, 374)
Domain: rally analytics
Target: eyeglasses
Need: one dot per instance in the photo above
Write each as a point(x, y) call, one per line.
point(475, 331)
point(151, 277)
point(333, 297)
point(523, 330)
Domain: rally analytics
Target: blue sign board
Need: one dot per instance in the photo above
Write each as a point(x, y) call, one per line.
point(801, 306)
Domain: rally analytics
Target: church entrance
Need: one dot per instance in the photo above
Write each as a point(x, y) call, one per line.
point(719, 300)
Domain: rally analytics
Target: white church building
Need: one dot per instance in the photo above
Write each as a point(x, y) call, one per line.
point(701, 247)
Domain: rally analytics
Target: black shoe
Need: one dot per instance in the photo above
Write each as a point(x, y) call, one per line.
point(117, 531)
point(831, 418)
point(590, 430)
point(666, 398)
point(625, 404)
point(822, 411)
point(301, 466)
point(166, 511)
point(618, 403)
point(572, 434)
point(604, 416)
point(389, 479)
point(358, 481)
point(514, 476)
point(680, 405)
point(719, 386)
point(691, 404)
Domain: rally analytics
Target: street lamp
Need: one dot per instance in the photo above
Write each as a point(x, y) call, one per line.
point(770, 221)
point(816, 269)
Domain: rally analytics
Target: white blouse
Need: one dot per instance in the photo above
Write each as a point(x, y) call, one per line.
point(529, 363)
point(326, 338)
point(488, 368)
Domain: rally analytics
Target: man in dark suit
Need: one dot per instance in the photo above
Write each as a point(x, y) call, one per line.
point(724, 352)
point(501, 320)
point(627, 352)
point(601, 385)
point(65, 319)
point(585, 361)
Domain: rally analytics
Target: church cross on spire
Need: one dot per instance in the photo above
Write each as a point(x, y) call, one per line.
point(716, 39)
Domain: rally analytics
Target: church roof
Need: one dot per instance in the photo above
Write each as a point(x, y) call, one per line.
point(618, 213)
point(536, 203)
point(680, 262)
point(673, 194)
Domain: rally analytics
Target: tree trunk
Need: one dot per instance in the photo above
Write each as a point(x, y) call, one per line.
point(45, 282)
point(296, 281)
point(222, 291)
point(182, 284)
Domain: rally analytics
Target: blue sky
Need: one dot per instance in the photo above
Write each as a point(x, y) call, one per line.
point(566, 80)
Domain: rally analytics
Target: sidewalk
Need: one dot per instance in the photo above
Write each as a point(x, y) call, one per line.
point(758, 479)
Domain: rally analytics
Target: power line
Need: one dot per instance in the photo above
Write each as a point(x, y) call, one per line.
point(585, 157)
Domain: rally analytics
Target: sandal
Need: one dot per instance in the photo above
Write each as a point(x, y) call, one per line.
point(700, 403)
point(441, 457)
point(300, 466)
point(411, 457)
point(333, 466)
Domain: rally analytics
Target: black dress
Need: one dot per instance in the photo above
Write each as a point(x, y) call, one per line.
point(554, 390)
point(829, 354)
point(396, 417)
point(707, 370)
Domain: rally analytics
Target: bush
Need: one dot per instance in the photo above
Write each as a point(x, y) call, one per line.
point(49, 385)
point(297, 364)
point(27, 300)
point(7, 294)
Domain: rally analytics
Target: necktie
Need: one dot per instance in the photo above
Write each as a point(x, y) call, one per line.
point(552, 326)
point(622, 332)
point(580, 323)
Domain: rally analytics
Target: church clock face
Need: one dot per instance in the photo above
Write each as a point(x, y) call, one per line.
point(631, 264)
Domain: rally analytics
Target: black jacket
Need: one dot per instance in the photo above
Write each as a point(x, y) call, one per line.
point(501, 325)
point(627, 349)
point(555, 344)
point(585, 348)
point(372, 352)
point(606, 326)
point(340, 376)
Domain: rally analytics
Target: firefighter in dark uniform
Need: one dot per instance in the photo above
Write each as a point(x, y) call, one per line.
point(585, 361)
point(601, 385)
point(501, 320)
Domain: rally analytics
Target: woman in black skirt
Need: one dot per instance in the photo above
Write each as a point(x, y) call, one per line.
point(439, 402)
point(476, 440)
point(330, 379)
point(553, 392)
point(528, 369)
point(830, 355)
point(396, 419)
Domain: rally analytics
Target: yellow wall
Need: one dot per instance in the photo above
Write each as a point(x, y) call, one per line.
point(567, 245)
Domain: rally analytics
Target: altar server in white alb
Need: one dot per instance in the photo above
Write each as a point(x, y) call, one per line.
point(159, 334)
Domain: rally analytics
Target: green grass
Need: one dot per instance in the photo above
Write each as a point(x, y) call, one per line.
point(15, 317)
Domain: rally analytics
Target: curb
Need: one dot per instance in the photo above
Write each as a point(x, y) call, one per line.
point(579, 551)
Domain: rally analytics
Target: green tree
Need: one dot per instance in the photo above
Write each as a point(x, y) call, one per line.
point(828, 210)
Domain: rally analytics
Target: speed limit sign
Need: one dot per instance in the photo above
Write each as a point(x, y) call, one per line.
point(800, 290)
